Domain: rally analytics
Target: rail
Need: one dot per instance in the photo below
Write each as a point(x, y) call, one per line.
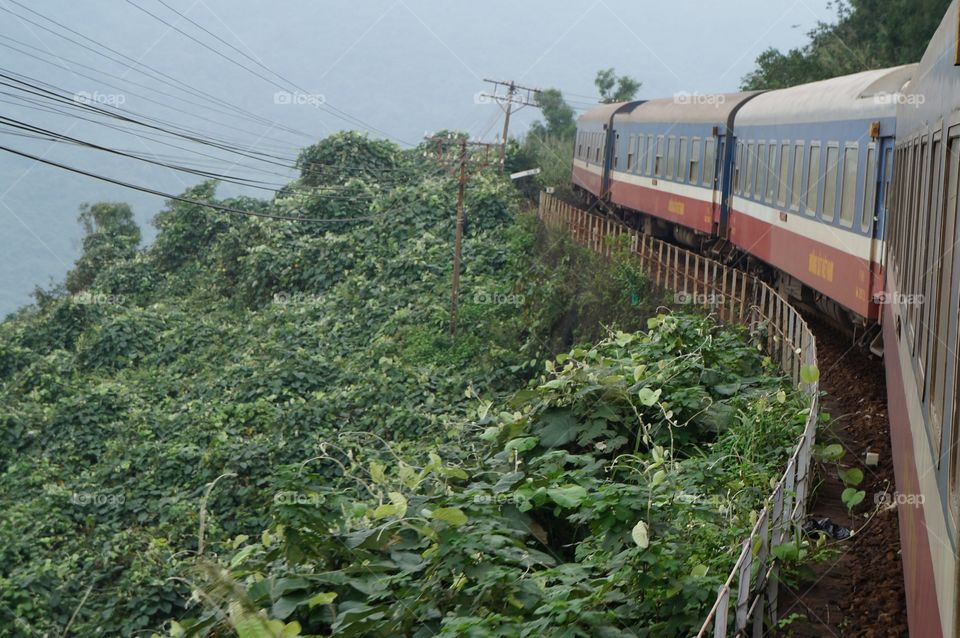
point(731, 295)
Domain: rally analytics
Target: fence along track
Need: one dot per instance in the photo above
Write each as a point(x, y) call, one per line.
point(733, 296)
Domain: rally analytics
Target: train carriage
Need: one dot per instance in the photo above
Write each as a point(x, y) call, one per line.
point(670, 160)
point(813, 164)
point(591, 151)
point(921, 334)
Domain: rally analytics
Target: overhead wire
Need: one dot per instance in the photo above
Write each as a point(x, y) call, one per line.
point(187, 200)
point(323, 106)
point(155, 102)
point(154, 74)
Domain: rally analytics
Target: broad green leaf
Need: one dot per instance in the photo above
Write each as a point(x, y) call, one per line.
point(852, 476)
point(385, 510)
point(399, 502)
point(852, 497)
point(699, 571)
point(648, 397)
point(450, 515)
point(323, 598)
point(377, 472)
point(641, 535)
point(809, 374)
point(522, 444)
point(828, 453)
point(658, 477)
point(567, 495)
point(558, 427)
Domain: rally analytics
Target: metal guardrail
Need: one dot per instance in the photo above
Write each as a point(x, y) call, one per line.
point(734, 296)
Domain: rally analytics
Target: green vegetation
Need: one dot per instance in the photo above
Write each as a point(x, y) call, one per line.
point(615, 89)
point(868, 34)
point(607, 499)
point(194, 429)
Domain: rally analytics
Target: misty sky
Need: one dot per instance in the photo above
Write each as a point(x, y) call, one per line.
point(405, 67)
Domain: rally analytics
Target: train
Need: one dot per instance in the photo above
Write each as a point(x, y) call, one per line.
point(841, 193)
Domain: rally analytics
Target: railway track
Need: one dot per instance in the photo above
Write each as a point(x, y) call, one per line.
point(860, 591)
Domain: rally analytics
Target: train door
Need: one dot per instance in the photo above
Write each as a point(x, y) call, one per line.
point(882, 189)
point(719, 218)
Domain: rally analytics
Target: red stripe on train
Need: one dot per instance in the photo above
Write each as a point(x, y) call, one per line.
point(923, 615)
point(679, 209)
point(845, 278)
point(587, 180)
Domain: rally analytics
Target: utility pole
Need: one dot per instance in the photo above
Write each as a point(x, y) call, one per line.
point(458, 239)
point(476, 160)
point(513, 95)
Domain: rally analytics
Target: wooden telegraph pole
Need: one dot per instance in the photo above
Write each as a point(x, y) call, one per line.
point(473, 156)
point(513, 95)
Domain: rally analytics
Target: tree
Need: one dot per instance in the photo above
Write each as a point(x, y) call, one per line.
point(615, 89)
point(867, 34)
point(559, 116)
point(110, 235)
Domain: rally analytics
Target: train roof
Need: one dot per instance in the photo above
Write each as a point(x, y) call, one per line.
point(868, 94)
point(687, 107)
point(602, 112)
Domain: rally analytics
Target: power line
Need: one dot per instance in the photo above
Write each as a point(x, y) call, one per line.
point(159, 76)
point(126, 91)
point(327, 108)
point(186, 200)
point(251, 183)
point(44, 93)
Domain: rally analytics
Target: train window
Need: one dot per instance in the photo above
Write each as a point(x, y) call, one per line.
point(812, 200)
point(782, 178)
point(671, 157)
point(597, 155)
point(641, 152)
point(682, 166)
point(762, 170)
point(659, 160)
point(751, 169)
point(710, 162)
point(797, 177)
point(921, 223)
point(870, 192)
point(942, 280)
point(848, 188)
point(736, 168)
point(630, 153)
point(651, 151)
point(693, 171)
point(772, 175)
point(580, 150)
point(887, 177)
point(830, 184)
